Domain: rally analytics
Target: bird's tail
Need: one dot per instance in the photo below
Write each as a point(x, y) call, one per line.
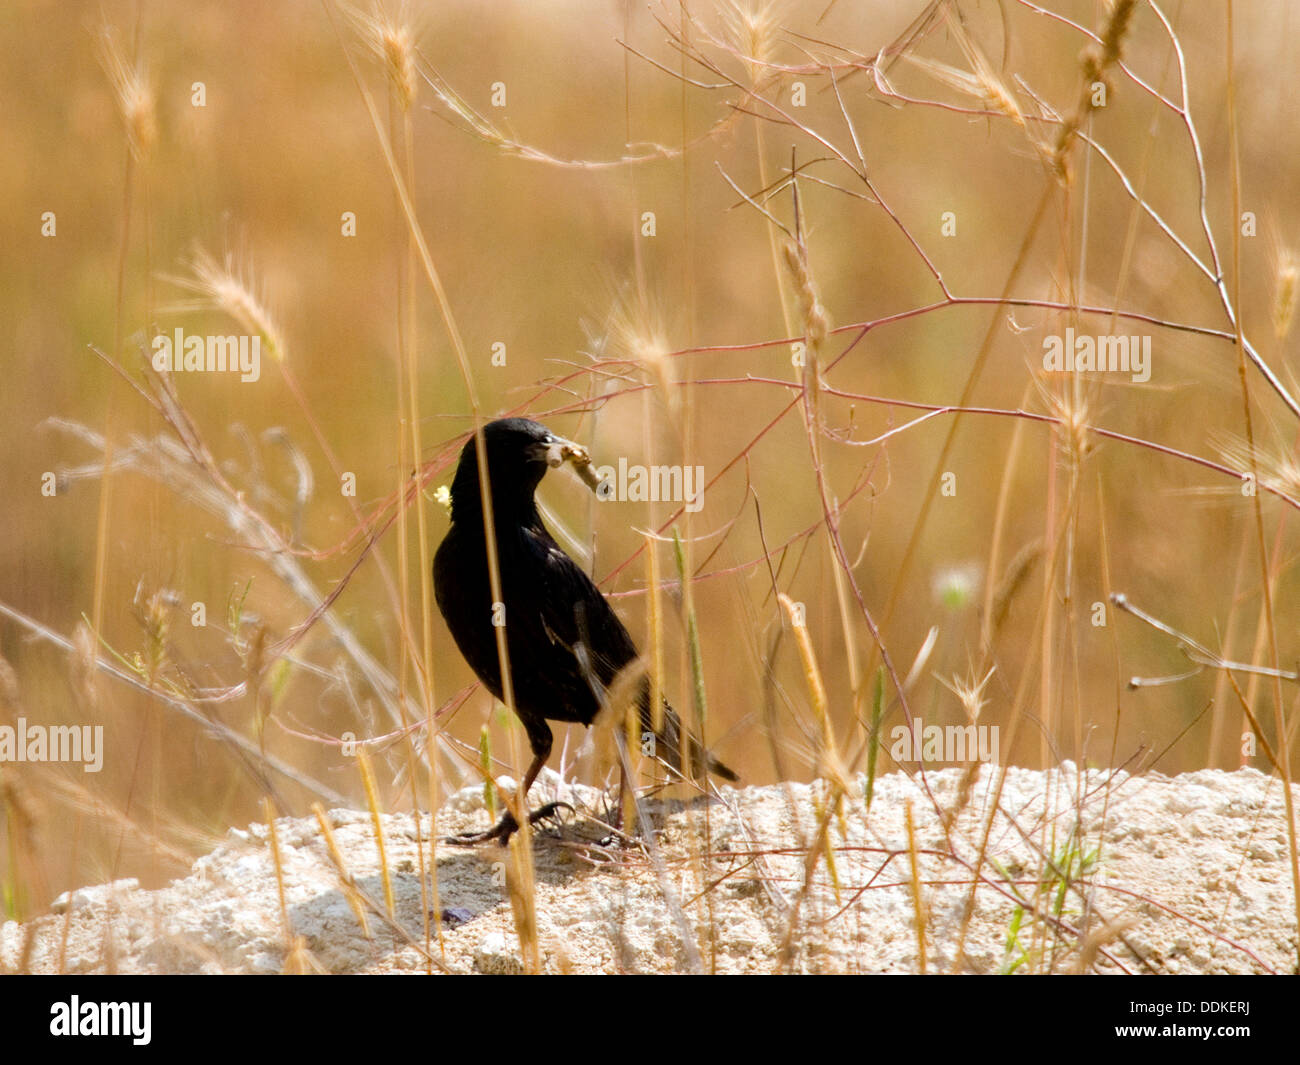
point(665, 743)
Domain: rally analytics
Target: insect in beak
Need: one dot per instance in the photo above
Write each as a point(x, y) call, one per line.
point(557, 451)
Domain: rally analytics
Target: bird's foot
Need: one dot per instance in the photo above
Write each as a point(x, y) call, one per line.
point(507, 826)
point(550, 812)
point(502, 830)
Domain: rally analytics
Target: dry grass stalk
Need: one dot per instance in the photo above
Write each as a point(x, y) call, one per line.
point(376, 820)
point(346, 878)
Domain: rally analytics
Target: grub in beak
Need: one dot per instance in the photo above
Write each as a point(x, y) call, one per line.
point(559, 451)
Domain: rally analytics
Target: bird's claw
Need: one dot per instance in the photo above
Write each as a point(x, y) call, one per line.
point(502, 830)
point(549, 812)
point(507, 826)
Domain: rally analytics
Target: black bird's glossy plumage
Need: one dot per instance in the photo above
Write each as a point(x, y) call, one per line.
point(565, 643)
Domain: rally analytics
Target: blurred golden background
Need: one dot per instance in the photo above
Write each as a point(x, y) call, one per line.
point(580, 173)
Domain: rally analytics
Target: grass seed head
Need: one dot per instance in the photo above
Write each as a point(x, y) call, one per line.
point(136, 100)
point(1284, 292)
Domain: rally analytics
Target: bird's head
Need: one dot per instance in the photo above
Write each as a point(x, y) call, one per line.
point(519, 452)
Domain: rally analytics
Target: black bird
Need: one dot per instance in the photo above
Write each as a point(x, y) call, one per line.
point(565, 644)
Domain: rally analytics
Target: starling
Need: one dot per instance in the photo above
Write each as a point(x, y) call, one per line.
point(565, 644)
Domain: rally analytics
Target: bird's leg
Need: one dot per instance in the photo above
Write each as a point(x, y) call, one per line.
point(622, 792)
point(508, 825)
point(617, 837)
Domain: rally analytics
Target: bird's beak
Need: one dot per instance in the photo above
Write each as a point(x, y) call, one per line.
point(557, 451)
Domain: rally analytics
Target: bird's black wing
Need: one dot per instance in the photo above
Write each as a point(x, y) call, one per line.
point(595, 648)
point(564, 642)
point(585, 644)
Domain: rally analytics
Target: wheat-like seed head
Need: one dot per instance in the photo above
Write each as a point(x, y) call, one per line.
point(400, 62)
point(1118, 21)
point(390, 37)
point(969, 692)
point(981, 82)
point(135, 95)
point(637, 333)
point(816, 321)
point(1095, 63)
point(1284, 292)
point(1279, 471)
point(752, 28)
point(82, 665)
point(1074, 418)
point(223, 286)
